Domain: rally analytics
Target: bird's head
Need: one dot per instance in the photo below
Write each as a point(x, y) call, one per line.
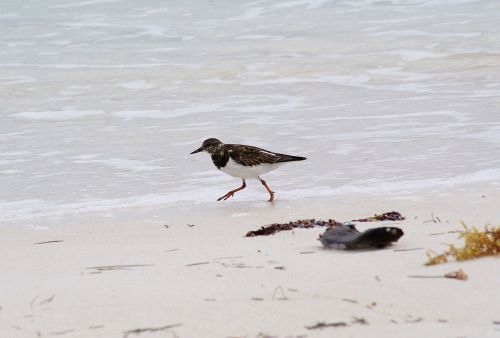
point(210, 145)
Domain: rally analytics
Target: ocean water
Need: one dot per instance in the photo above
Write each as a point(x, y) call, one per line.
point(101, 102)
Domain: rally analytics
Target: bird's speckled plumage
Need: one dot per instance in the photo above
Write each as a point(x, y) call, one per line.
point(239, 160)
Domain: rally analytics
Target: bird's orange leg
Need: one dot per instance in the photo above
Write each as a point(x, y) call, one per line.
point(231, 193)
point(271, 193)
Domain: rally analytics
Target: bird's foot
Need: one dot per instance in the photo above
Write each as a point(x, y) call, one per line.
point(226, 196)
point(271, 196)
point(231, 193)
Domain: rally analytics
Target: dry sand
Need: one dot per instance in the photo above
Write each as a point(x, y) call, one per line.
point(207, 280)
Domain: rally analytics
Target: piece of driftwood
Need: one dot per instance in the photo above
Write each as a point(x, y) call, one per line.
point(346, 237)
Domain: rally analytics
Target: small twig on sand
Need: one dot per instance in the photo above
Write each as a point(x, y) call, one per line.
point(444, 233)
point(149, 329)
point(58, 333)
point(117, 267)
point(411, 249)
point(414, 320)
point(32, 303)
point(360, 321)
point(460, 275)
point(200, 263)
point(48, 300)
point(227, 257)
point(54, 241)
point(94, 327)
point(323, 325)
point(350, 300)
point(283, 297)
point(434, 219)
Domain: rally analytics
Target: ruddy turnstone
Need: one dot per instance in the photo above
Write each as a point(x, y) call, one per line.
point(239, 160)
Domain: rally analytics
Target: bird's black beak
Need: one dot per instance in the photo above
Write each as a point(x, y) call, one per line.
point(197, 150)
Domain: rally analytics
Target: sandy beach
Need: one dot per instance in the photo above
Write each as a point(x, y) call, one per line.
point(110, 228)
point(199, 277)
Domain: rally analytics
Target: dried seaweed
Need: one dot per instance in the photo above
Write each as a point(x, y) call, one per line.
point(314, 223)
point(388, 216)
point(477, 244)
point(301, 224)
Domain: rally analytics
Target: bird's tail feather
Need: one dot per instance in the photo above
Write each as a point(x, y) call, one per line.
point(290, 158)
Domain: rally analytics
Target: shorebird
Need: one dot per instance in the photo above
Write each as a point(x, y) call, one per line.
point(239, 160)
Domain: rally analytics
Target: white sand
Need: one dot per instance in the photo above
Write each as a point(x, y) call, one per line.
point(237, 289)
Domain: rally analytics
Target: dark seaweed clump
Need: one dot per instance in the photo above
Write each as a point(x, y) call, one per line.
point(301, 223)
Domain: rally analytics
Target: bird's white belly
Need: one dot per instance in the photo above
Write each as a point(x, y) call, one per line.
point(237, 170)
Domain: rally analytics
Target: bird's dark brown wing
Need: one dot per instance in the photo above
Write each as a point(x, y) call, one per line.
point(250, 156)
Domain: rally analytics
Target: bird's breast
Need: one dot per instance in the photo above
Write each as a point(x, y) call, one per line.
point(235, 169)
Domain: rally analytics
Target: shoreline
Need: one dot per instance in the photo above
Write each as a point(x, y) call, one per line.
point(241, 208)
